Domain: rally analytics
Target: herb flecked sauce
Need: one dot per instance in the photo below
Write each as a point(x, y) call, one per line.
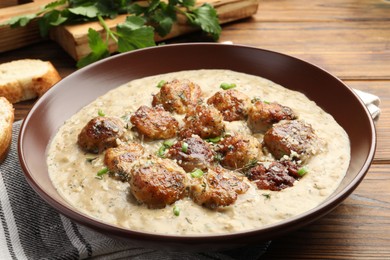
point(110, 200)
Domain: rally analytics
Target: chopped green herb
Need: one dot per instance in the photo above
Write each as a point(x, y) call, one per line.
point(163, 148)
point(255, 99)
point(176, 210)
point(226, 86)
point(168, 143)
point(90, 159)
point(266, 196)
point(101, 113)
point(252, 163)
point(302, 171)
point(184, 147)
point(266, 102)
point(214, 139)
point(197, 173)
point(161, 151)
point(218, 157)
point(101, 172)
point(161, 83)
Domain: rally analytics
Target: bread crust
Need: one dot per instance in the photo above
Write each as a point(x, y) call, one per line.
point(16, 90)
point(6, 121)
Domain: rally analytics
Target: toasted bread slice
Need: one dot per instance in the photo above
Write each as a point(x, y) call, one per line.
point(26, 79)
point(6, 121)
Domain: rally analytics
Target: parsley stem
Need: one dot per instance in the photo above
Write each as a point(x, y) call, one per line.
point(107, 29)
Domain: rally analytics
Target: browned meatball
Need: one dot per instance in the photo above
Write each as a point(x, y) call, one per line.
point(217, 188)
point(262, 115)
point(178, 95)
point(293, 138)
point(191, 153)
point(276, 177)
point(239, 150)
point(119, 159)
point(158, 182)
point(155, 123)
point(100, 133)
point(203, 120)
point(231, 103)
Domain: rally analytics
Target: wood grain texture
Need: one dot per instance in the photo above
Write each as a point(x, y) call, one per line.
point(359, 228)
point(324, 11)
point(349, 38)
point(350, 50)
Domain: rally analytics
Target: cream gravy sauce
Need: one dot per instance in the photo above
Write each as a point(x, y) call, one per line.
point(110, 201)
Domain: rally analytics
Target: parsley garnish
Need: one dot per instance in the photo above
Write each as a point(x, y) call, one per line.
point(136, 32)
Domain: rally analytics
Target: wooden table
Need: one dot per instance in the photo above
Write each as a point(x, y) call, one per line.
point(350, 39)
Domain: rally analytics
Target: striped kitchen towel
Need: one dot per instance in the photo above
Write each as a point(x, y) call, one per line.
point(31, 229)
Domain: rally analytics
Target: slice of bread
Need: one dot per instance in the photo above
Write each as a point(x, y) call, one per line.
point(26, 79)
point(6, 121)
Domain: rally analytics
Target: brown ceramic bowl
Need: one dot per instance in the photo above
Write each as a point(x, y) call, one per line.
point(83, 86)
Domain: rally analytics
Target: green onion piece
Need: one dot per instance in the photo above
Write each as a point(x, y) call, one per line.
point(184, 147)
point(197, 173)
point(101, 113)
point(100, 173)
point(161, 83)
point(266, 102)
point(302, 171)
point(226, 86)
point(165, 145)
point(214, 139)
point(176, 210)
point(161, 151)
point(168, 143)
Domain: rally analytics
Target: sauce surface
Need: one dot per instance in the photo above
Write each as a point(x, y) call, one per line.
point(109, 200)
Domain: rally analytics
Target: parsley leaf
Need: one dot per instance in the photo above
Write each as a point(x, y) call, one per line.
point(88, 11)
point(133, 34)
point(20, 21)
point(136, 32)
point(99, 49)
point(206, 17)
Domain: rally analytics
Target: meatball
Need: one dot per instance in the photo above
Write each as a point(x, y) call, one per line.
point(157, 182)
point(262, 115)
point(178, 95)
point(232, 104)
point(101, 133)
point(155, 123)
point(237, 150)
point(203, 120)
point(191, 153)
point(217, 188)
point(119, 159)
point(276, 177)
point(293, 138)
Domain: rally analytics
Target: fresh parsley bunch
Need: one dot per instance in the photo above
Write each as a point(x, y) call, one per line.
point(144, 19)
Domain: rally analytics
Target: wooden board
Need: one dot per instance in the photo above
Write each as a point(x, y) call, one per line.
point(74, 40)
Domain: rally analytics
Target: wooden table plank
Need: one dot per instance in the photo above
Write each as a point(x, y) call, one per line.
point(350, 50)
point(357, 229)
point(319, 10)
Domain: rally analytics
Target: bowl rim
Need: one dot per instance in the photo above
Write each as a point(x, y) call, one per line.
point(287, 224)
